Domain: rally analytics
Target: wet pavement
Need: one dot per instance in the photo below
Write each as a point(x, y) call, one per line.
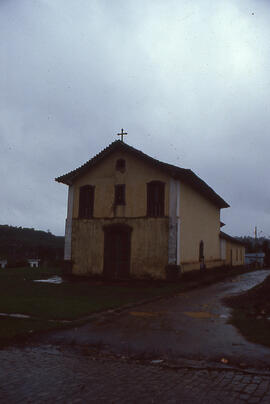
point(167, 351)
point(191, 325)
point(48, 374)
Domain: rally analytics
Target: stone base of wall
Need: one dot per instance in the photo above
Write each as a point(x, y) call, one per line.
point(173, 272)
point(66, 266)
point(149, 246)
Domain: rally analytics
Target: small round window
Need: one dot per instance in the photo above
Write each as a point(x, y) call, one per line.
point(120, 165)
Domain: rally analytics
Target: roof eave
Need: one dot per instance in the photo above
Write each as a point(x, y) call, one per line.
point(186, 175)
point(62, 180)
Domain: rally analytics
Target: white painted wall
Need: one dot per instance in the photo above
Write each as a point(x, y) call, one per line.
point(174, 223)
point(68, 229)
point(223, 249)
point(3, 263)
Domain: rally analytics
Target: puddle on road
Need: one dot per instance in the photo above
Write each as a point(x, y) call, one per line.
point(204, 314)
point(224, 316)
point(56, 280)
point(15, 315)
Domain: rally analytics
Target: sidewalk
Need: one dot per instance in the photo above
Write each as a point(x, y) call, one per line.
point(46, 374)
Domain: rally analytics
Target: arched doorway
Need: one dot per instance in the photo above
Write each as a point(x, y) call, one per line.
point(117, 242)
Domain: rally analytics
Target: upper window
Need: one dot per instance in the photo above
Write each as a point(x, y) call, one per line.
point(86, 202)
point(120, 165)
point(155, 198)
point(119, 194)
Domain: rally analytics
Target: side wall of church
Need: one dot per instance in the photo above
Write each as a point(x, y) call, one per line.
point(200, 221)
point(235, 254)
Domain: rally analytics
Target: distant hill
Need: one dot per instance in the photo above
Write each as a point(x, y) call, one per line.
point(18, 243)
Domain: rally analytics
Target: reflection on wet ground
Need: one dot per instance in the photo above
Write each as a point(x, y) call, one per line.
point(192, 325)
point(54, 279)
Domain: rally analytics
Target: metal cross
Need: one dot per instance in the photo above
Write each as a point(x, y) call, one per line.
point(122, 133)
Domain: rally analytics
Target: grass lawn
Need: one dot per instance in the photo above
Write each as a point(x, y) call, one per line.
point(251, 311)
point(67, 301)
point(76, 298)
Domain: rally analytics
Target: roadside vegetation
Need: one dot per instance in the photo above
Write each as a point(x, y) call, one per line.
point(251, 313)
point(52, 306)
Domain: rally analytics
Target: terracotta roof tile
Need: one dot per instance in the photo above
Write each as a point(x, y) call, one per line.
point(230, 238)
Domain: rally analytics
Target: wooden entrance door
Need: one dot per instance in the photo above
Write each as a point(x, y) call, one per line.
point(117, 239)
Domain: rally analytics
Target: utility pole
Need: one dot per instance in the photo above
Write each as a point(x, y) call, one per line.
point(255, 235)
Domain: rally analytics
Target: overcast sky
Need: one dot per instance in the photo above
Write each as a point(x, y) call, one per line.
point(189, 81)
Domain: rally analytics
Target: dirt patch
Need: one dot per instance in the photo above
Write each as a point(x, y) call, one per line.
point(199, 314)
point(144, 314)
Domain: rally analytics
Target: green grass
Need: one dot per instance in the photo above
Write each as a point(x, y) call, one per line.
point(14, 329)
point(67, 301)
point(76, 297)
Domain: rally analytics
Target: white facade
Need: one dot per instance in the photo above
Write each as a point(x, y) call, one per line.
point(252, 258)
point(34, 262)
point(3, 263)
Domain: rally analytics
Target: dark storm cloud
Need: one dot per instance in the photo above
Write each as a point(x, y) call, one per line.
point(188, 80)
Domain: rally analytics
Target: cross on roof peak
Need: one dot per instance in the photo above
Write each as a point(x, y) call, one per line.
point(122, 133)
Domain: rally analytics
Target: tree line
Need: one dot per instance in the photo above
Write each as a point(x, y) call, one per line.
point(17, 244)
point(260, 244)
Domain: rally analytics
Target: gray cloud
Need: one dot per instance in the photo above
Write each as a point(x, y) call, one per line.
point(188, 80)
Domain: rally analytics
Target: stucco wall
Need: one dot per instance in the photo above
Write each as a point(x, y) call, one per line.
point(149, 246)
point(104, 177)
point(195, 219)
point(149, 237)
point(235, 254)
point(200, 220)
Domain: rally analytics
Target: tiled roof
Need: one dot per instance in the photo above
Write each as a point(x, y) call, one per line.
point(183, 174)
point(230, 238)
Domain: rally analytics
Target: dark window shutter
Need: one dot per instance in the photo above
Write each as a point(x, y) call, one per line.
point(155, 198)
point(86, 202)
point(120, 165)
point(119, 194)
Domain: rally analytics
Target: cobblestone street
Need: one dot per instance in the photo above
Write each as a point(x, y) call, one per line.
point(62, 374)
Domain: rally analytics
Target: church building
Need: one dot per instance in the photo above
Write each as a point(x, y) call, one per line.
point(130, 215)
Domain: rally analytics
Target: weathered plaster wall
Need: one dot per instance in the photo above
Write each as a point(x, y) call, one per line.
point(149, 246)
point(149, 237)
point(223, 249)
point(174, 222)
point(200, 220)
point(235, 254)
point(68, 227)
point(104, 177)
point(189, 216)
